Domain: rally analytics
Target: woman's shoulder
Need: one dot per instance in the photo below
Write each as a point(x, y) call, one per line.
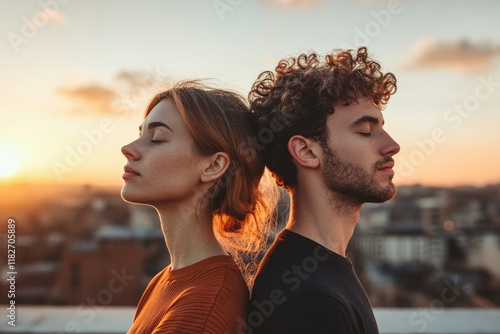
point(212, 276)
point(210, 267)
point(218, 270)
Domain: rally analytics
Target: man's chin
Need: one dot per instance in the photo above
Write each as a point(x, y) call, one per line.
point(386, 193)
point(391, 192)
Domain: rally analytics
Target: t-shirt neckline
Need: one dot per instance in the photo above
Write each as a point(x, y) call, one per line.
point(198, 266)
point(286, 233)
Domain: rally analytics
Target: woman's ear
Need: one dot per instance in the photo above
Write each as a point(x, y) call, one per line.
point(219, 163)
point(304, 151)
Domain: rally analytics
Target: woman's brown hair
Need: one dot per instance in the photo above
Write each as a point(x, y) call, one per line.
point(220, 121)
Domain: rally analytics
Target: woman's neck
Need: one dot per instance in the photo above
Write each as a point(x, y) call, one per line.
point(189, 237)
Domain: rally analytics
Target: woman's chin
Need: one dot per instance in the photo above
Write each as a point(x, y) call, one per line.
point(131, 197)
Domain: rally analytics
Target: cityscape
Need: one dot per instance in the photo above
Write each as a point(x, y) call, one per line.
point(77, 77)
point(83, 245)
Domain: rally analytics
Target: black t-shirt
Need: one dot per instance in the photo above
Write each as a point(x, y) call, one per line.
point(302, 287)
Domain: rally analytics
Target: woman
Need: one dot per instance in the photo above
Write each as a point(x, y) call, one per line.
point(194, 163)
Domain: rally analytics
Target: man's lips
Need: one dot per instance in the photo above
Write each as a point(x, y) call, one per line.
point(129, 172)
point(387, 167)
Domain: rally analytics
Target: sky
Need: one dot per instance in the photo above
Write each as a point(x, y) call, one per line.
point(75, 76)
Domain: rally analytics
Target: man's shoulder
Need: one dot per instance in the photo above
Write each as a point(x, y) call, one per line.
point(299, 279)
point(294, 265)
point(292, 268)
point(291, 249)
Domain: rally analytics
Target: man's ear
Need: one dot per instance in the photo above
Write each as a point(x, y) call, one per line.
point(304, 151)
point(219, 162)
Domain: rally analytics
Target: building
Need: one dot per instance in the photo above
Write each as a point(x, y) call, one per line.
point(111, 269)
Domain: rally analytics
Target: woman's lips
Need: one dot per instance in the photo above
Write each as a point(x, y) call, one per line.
point(129, 173)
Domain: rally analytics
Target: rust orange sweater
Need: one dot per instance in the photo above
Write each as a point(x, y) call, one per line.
point(209, 296)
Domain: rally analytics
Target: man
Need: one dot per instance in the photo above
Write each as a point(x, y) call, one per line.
point(322, 136)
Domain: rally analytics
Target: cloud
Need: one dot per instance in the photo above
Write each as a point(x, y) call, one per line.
point(127, 89)
point(301, 4)
point(90, 98)
point(57, 17)
point(133, 79)
point(50, 16)
point(461, 56)
point(130, 77)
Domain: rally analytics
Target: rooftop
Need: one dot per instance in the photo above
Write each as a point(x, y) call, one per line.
point(111, 320)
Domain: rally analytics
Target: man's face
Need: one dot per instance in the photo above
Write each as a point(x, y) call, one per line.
point(357, 155)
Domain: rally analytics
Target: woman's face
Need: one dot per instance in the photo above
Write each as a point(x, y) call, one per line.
point(163, 165)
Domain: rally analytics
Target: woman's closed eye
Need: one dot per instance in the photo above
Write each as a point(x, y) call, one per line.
point(157, 140)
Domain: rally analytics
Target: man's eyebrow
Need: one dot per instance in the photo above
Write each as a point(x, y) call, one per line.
point(366, 119)
point(153, 125)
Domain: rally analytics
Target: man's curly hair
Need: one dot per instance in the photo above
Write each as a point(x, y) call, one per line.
point(303, 91)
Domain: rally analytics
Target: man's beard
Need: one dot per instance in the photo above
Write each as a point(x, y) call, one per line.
point(351, 184)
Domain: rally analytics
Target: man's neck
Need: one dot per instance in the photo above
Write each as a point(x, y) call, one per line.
point(326, 220)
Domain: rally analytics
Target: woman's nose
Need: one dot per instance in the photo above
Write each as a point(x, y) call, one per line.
point(130, 152)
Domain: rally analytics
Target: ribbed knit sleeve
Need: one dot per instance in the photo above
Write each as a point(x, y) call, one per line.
point(207, 297)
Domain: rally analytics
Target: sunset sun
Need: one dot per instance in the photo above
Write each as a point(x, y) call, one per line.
point(9, 161)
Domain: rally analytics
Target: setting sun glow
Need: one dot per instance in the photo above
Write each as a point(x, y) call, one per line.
point(9, 161)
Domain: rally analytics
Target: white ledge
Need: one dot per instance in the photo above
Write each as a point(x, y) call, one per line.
point(437, 320)
point(114, 320)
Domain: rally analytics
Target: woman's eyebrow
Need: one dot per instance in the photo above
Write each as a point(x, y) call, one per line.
point(153, 125)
